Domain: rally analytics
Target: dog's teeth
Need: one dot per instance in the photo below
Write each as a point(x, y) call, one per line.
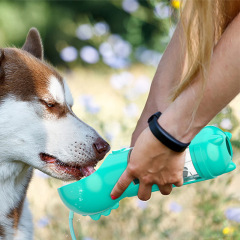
point(88, 170)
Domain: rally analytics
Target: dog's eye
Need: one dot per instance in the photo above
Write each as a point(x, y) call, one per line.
point(48, 104)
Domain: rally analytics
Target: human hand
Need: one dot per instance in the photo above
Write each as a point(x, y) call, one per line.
point(152, 163)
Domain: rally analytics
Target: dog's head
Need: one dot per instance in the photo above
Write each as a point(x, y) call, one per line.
point(37, 124)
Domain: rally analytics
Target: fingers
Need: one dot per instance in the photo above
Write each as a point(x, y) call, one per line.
point(179, 183)
point(121, 185)
point(144, 192)
point(165, 189)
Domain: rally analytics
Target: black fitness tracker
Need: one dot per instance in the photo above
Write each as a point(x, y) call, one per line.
point(163, 136)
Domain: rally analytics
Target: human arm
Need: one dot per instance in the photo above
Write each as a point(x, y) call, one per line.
point(153, 163)
point(167, 77)
point(222, 86)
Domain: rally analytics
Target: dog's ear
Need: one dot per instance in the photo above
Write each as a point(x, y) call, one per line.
point(2, 56)
point(33, 43)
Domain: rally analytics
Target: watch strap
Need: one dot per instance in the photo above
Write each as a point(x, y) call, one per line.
point(163, 136)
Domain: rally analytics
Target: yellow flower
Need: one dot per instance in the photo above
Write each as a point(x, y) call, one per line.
point(176, 3)
point(228, 230)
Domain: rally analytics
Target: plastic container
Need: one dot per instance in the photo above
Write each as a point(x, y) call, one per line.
point(208, 156)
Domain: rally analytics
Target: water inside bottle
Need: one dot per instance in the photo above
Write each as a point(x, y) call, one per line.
point(189, 171)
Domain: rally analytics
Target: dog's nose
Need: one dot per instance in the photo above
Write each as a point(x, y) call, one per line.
point(100, 147)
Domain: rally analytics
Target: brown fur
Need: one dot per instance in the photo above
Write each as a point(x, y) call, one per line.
point(16, 212)
point(2, 231)
point(57, 110)
point(25, 77)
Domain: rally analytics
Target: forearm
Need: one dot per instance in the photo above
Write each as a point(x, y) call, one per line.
point(168, 73)
point(167, 76)
point(222, 86)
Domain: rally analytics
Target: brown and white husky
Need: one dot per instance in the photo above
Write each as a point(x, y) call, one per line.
point(38, 129)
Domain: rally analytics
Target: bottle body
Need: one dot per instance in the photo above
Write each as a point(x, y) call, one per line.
point(209, 155)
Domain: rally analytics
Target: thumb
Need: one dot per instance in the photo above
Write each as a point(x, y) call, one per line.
point(121, 185)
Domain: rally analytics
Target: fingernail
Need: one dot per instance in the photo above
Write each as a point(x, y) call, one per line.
point(113, 197)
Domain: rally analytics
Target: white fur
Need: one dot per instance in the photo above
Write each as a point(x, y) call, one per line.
point(68, 95)
point(16, 177)
point(25, 133)
point(56, 89)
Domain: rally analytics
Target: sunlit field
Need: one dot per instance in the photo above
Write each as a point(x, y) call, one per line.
point(111, 101)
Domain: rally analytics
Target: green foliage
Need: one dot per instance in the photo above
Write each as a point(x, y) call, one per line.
point(58, 22)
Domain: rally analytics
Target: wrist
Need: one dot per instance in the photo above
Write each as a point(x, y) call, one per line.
point(163, 136)
point(181, 128)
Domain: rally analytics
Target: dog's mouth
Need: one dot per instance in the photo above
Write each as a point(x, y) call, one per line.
point(76, 170)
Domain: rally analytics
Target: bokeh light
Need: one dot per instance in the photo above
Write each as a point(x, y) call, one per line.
point(175, 207)
point(69, 54)
point(84, 32)
point(101, 28)
point(141, 204)
point(162, 10)
point(119, 81)
point(116, 51)
point(43, 222)
point(89, 54)
point(130, 5)
point(233, 214)
point(226, 124)
point(147, 56)
point(89, 104)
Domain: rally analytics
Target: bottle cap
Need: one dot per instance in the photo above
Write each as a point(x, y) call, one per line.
point(211, 152)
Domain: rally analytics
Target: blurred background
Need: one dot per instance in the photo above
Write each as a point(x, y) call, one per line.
point(108, 51)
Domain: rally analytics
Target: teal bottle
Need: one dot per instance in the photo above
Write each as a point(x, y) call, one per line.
point(209, 155)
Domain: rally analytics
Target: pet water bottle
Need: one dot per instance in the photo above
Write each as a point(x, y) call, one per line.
point(208, 156)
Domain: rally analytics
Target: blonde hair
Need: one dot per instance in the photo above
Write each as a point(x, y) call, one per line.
point(203, 22)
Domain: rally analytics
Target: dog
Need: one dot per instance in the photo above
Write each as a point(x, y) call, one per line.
point(38, 129)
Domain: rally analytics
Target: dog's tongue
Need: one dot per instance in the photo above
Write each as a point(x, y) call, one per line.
point(86, 171)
